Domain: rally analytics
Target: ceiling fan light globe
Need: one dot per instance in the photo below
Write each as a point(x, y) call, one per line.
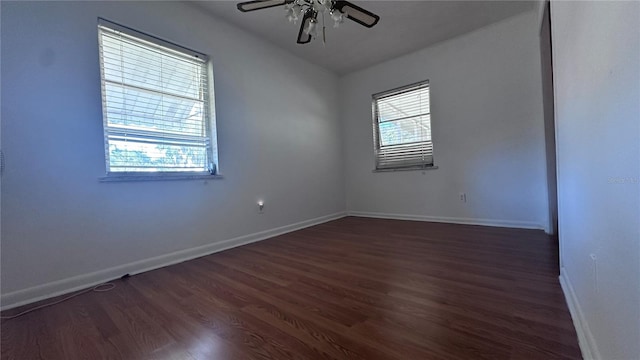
point(326, 4)
point(297, 10)
point(312, 29)
point(336, 16)
point(292, 16)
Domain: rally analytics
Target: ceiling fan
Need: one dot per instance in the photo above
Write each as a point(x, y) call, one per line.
point(309, 11)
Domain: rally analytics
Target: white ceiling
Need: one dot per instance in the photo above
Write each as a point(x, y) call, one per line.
point(404, 27)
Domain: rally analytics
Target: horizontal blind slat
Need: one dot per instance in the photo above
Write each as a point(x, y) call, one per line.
point(149, 91)
point(120, 37)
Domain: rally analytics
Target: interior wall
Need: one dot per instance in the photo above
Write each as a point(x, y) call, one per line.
point(549, 121)
point(487, 129)
point(596, 60)
point(278, 140)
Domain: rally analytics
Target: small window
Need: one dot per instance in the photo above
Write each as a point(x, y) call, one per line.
point(402, 128)
point(156, 105)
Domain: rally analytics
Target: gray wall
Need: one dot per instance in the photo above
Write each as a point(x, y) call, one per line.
point(487, 126)
point(549, 122)
point(278, 131)
point(596, 59)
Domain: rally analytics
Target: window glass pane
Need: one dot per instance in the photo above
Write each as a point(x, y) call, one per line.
point(409, 104)
point(405, 131)
point(140, 156)
point(146, 110)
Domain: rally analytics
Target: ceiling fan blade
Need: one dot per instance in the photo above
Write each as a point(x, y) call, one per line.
point(303, 37)
point(357, 14)
point(260, 4)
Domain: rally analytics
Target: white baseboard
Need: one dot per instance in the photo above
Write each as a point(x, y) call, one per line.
point(453, 220)
point(585, 337)
point(64, 286)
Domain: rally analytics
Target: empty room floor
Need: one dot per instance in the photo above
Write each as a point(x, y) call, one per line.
point(353, 288)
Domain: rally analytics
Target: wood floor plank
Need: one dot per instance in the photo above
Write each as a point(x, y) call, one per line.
point(353, 288)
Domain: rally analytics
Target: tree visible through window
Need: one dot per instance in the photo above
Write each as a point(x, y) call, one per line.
point(402, 128)
point(156, 106)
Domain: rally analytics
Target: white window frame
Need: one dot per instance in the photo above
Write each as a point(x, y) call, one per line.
point(399, 157)
point(210, 137)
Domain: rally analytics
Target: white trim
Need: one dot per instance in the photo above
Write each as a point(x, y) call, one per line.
point(60, 287)
point(585, 337)
point(452, 220)
point(129, 177)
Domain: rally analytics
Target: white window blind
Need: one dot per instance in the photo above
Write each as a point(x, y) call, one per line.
point(155, 103)
point(402, 128)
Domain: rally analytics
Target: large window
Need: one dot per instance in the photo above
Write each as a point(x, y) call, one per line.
point(156, 105)
point(402, 128)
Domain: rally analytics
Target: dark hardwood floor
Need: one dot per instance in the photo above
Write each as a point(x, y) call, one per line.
point(353, 288)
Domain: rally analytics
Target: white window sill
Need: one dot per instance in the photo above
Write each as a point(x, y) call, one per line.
point(406, 169)
point(156, 177)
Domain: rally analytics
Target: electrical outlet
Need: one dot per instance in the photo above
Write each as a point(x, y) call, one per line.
point(463, 197)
